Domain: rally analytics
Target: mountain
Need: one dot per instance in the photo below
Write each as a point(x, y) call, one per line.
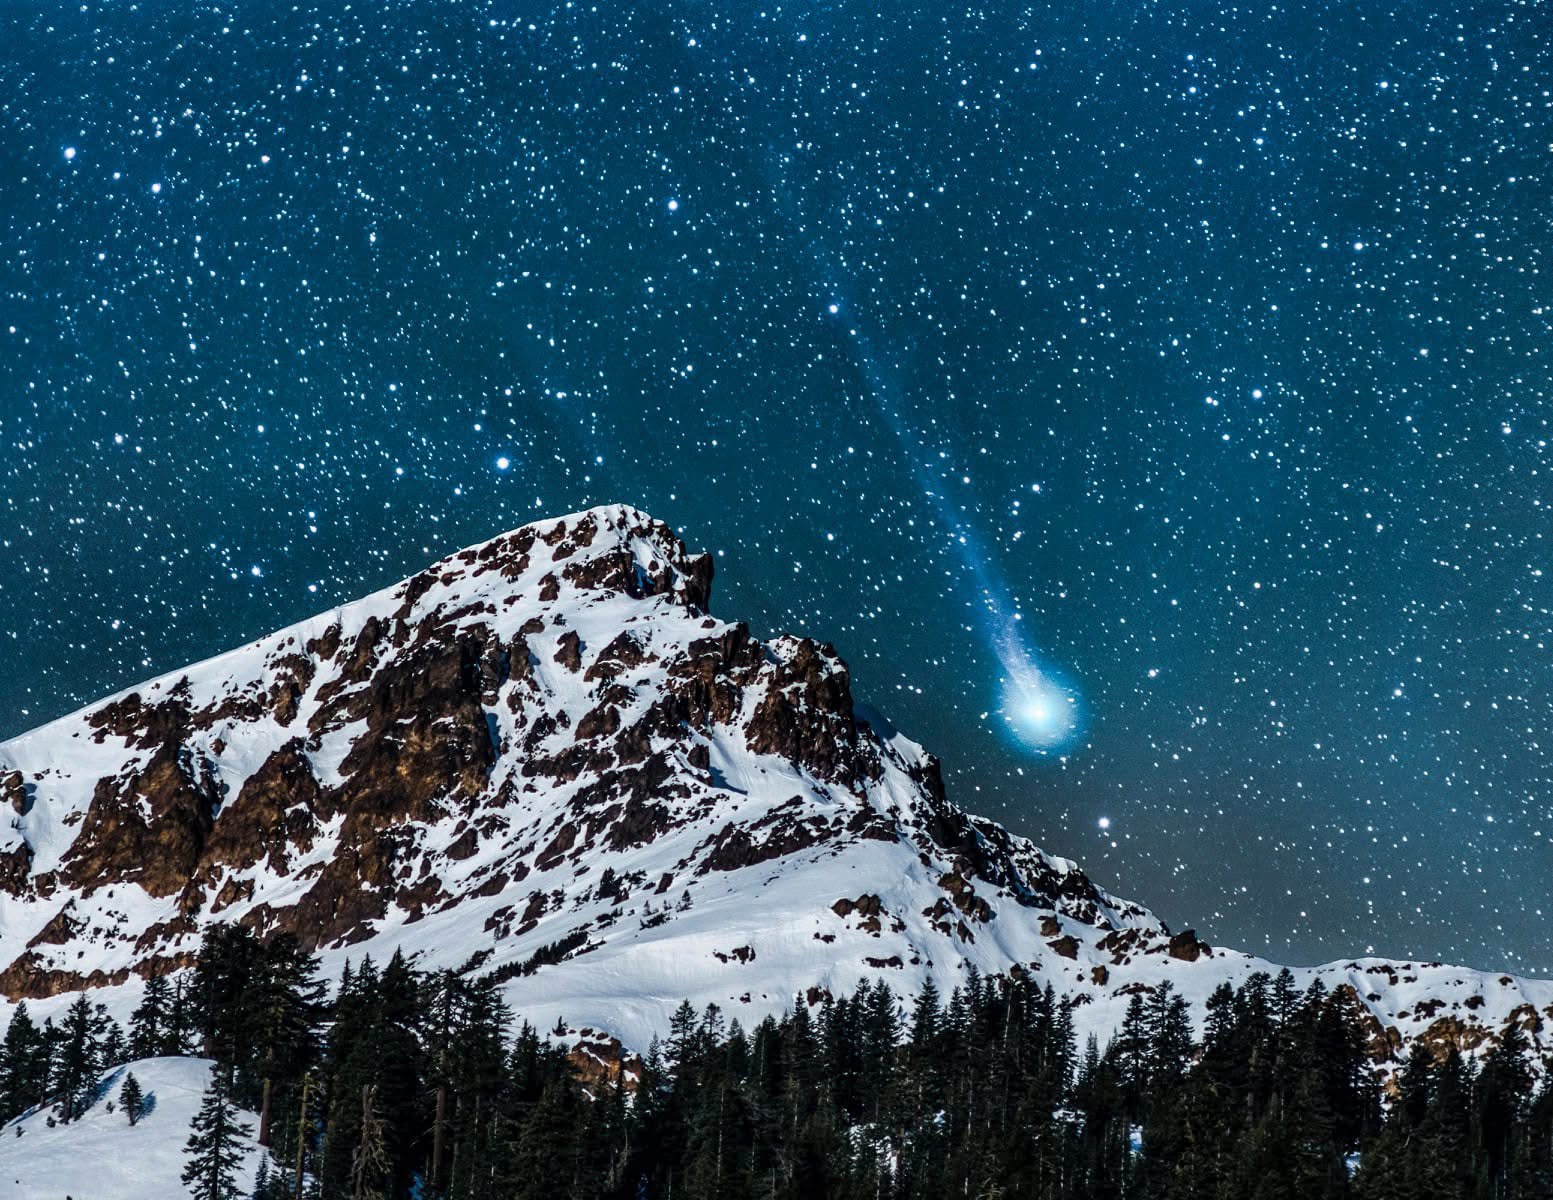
point(543, 758)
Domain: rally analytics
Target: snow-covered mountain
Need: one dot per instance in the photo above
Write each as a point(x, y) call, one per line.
point(543, 757)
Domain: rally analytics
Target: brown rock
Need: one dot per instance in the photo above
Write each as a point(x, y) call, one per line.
point(275, 813)
point(149, 828)
point(13, 791)
point(599, 722)
point(569, 650)
point(806, 716)
point(463, 846)
point(1186, 947)
point(30, 977)
point(15, 869)
point(1065, 947)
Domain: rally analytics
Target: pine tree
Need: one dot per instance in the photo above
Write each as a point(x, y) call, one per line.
point(305, 1116)
point(401, 1067)
point(112, 1048)
point(178, 1034)
point(261, 1179)
point(24, 1067)
point(284, 1000)
point(350, 1064)
point(1310, 1141)
point(547, 1146)
point(1219, 1022)
point(225, 995)
point(1503, 1089)
point(75, 1070)
point(468, 1057)
point(1169, 1021)
point(1443, 1162)
point(683, 1028)
point(1284, 999)
point(132, 1100)
point(881, 1032)
point(149, 1023)
point(1133, 1049)
point(214, 1151)
point(1532, 1166)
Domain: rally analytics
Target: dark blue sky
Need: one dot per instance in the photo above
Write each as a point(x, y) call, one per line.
point(1221, 332)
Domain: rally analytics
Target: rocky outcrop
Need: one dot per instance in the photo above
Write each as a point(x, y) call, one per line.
point(805, 715)
point(13, 791)
point(148, 827)
point(275, 816)
point(1186, 947)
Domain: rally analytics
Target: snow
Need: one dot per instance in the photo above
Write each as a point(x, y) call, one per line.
point(100, 1156)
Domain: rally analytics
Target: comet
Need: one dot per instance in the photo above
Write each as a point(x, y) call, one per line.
point(1038, 708)
point(1040, 711)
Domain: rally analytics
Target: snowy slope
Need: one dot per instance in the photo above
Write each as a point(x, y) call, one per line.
point(542, 757)
point(100, 1156)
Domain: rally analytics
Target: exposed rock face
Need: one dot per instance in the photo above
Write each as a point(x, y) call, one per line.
point(276, 815)
point(13, 791)
point(1186, 947)
point(543, 759)
point(147, 827)
point(805, 715)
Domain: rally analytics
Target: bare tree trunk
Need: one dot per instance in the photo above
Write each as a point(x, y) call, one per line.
point(307, 1096)
point(438, 1125)
point(369, 1165)
point(264, 1112)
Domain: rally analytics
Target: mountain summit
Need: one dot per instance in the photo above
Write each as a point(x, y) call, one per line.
point(543, 758)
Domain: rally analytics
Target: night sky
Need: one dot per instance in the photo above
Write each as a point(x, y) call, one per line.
point(1212, 339)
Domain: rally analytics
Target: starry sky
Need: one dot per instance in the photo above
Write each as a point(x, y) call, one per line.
point(1211, 339)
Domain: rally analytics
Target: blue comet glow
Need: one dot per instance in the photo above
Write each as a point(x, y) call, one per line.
point(1037, 706)
point(1040, 711)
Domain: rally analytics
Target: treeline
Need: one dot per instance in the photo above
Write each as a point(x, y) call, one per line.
point(412, 1085)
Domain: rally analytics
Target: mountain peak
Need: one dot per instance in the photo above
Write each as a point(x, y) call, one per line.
point(543, 759)
point(608, 548)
